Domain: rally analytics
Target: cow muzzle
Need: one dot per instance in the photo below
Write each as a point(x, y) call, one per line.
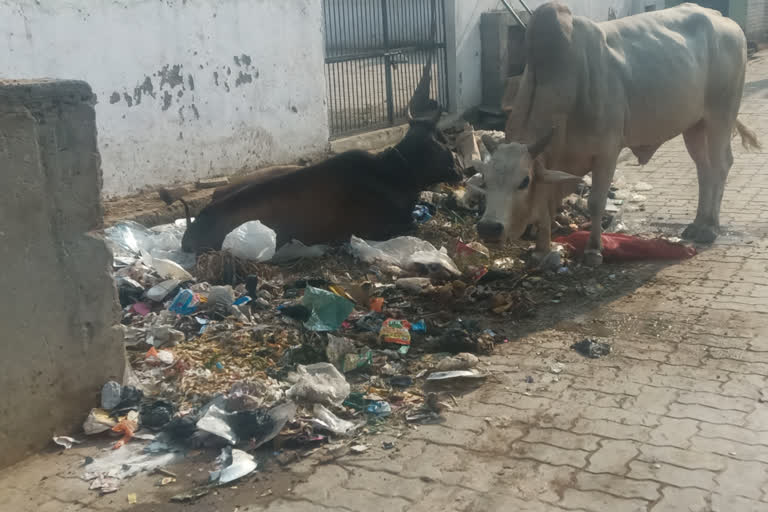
point(490, 231)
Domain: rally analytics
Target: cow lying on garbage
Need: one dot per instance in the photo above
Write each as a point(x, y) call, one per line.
point(591, 89)
point(356, 192)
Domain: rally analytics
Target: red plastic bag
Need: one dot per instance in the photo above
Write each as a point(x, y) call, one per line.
point(618, 247)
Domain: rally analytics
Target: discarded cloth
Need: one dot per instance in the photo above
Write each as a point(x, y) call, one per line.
point(618, 247)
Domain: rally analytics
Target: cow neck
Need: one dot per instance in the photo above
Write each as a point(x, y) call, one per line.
point(392, 158)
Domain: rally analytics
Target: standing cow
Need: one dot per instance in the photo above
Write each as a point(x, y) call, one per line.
point(590, 89)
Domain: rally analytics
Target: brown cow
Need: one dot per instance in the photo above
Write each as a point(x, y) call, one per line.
point(354, 193)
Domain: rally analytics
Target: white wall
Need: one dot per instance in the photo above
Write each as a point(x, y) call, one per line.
point(466, 86)
point(186, 88)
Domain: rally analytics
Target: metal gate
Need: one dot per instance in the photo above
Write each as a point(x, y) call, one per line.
point(376, 51)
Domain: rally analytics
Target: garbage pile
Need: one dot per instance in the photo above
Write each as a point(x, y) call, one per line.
point(300, 347)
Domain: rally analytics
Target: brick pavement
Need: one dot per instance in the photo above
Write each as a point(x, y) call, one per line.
point(674, 420)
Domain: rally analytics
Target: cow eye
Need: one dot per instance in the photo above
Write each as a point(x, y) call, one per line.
point(524, 183)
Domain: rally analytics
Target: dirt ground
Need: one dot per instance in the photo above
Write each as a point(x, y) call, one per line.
point(674, 419)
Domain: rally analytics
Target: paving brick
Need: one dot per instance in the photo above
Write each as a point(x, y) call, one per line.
point(652, 399)
point(732, 433)
point(600, 502)
point(717, 401)
point(673, 475)
point(611, 430)
point(729, 503)
point(683, 458)
point(550, 454)
point(674, 432)
point(679, 500)
point(613, 457)
point(743, 479)
point(563, 439)
point(708, 414)
point(730, 448)
point(618, 486)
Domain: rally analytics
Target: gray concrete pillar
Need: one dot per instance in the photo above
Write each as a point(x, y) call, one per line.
point(58, 305)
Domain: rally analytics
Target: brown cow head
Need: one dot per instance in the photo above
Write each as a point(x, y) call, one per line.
point(517, 188)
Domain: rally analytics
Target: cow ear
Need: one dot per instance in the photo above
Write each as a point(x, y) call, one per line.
point(542, 175)
point(490, 144)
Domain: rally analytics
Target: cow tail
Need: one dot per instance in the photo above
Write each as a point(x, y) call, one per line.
point(748, 137)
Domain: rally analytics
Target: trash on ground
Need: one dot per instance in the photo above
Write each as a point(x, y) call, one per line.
point(65, 441)
point(406, 253)
point(618, 247)
point(251, 241)
point(295, 250)
point(592, 348)
point(326, 420)
point(455, 375)
point(319, 383)
point(358, 448)
point(327, 310)
point(233, 465)
point(462, 361)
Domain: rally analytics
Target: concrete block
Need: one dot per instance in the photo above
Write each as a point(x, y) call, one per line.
point(59, 307)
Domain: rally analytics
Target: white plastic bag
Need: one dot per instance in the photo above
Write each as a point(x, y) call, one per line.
point(251, 241)
point(404, 252)
point(319, 383)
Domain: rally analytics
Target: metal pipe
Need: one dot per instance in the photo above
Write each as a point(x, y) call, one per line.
point(513, 13)
point(525, 6)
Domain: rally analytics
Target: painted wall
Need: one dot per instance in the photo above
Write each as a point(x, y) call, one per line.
point(186, 88)
point(465, 88)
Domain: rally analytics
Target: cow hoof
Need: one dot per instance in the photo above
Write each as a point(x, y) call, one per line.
point(536, 258)
point(701, 234)
point(706, 235)
point(691, 232)
point(593, 258)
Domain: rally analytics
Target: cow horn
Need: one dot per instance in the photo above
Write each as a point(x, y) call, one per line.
point(540, 145)
point(186, 212)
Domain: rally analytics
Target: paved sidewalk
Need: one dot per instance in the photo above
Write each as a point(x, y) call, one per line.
point(675, 420)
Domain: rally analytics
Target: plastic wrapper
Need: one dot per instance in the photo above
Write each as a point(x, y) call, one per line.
point(251, 241)
point(326, 420)
point(328, 310)
point(295, 250)
point(395, 331)
point(405, 252)
point(130, 239)
point(319, 383)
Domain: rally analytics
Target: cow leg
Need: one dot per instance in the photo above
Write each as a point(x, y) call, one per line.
point(696, 143)
point(721, 160)
point(603, 168)
point(710, 148)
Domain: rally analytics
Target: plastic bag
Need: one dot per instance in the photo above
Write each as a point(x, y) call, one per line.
point(129, 238)
point(328, 310)
point(326, 420)
point(295, 250)
point(251, 241)
point(620, 248)
point(405, 252)
point(319, 383)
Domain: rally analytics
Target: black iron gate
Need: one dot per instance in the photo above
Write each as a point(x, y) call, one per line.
point(376, 52)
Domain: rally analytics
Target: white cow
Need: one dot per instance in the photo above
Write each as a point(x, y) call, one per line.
point(634, 82)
